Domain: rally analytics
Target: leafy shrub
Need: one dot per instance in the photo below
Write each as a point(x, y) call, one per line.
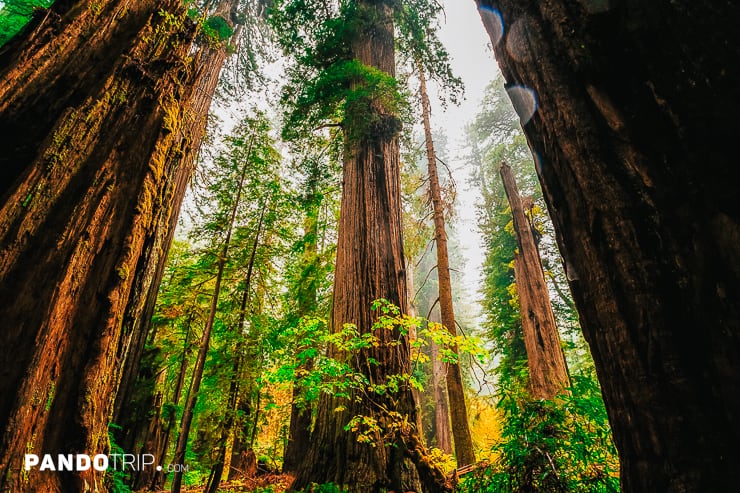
point(563, 445)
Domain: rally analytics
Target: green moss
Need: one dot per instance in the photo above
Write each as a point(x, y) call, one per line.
point(50, 395)
point(95, 7)
point(217, 28)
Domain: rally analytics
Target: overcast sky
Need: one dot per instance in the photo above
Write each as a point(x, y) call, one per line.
point(472, 60)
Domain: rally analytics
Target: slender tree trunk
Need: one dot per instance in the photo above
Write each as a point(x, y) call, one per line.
point(233, 402)
point(79, 202)
point(369, 266)
point(548, 372)
point(153, 478)
point(635, 135)
point(200, 361)
point(455, 390)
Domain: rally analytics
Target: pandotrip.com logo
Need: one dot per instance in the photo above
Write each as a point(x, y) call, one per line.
point(99, 462)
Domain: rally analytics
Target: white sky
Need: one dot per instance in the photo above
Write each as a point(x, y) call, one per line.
point(472, 60)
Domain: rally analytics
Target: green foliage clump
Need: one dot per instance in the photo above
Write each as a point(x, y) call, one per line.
point(116, 479)
point(328, 85)
point(217, 29)
point(336, 371)
point(15, 14)
point(563, 445)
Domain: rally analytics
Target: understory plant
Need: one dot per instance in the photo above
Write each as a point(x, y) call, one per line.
point(554, 446)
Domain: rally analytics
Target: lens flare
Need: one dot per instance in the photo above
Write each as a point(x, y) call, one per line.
point(517, 41)
point(494, 23)
point(524, 100)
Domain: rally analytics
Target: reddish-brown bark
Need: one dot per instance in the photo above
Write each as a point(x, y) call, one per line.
point(81, 199)
point(634, 135)
point(369, 266)
point(455, 390)
point(548, 372)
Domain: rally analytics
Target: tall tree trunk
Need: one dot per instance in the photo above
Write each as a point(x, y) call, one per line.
point(80, 200)
point(223, 460)
point(207, 67)
point(548, 372)
point(455, 390)
point(200, 361)
point(635, 134)
point(152, 478)
point(369, 266)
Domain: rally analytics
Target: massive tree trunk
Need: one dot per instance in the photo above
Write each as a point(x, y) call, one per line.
point(455, 390)
point(634, 135)
point(82, 197)
point(369, 266)
point(548, 372)
point(207, 66)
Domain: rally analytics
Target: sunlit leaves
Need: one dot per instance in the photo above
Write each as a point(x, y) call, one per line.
point(560, 445)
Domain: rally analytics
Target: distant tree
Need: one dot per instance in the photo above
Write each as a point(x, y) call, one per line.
point(429, 58)
point(548, 372)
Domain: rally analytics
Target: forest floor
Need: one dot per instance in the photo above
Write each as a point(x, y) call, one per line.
point(278, 483)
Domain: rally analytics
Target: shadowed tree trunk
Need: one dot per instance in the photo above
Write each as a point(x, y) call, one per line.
point(548, 372)
point(634, 134)
point(152, 478)
point(81, 198)
point(455, 391)
point(369, 266)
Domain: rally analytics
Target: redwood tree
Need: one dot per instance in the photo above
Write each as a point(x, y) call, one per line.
point(369, 266)
point(548, 372)
point(455, 390)
point(634, 132)
point(83, 200)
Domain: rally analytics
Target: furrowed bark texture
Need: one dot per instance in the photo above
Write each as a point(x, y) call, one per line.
point(82, 197)
point(548, 372)
point(207, 66)
point(369, 266)
point(635, 141)
point(455, 390)
point(132, 406)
